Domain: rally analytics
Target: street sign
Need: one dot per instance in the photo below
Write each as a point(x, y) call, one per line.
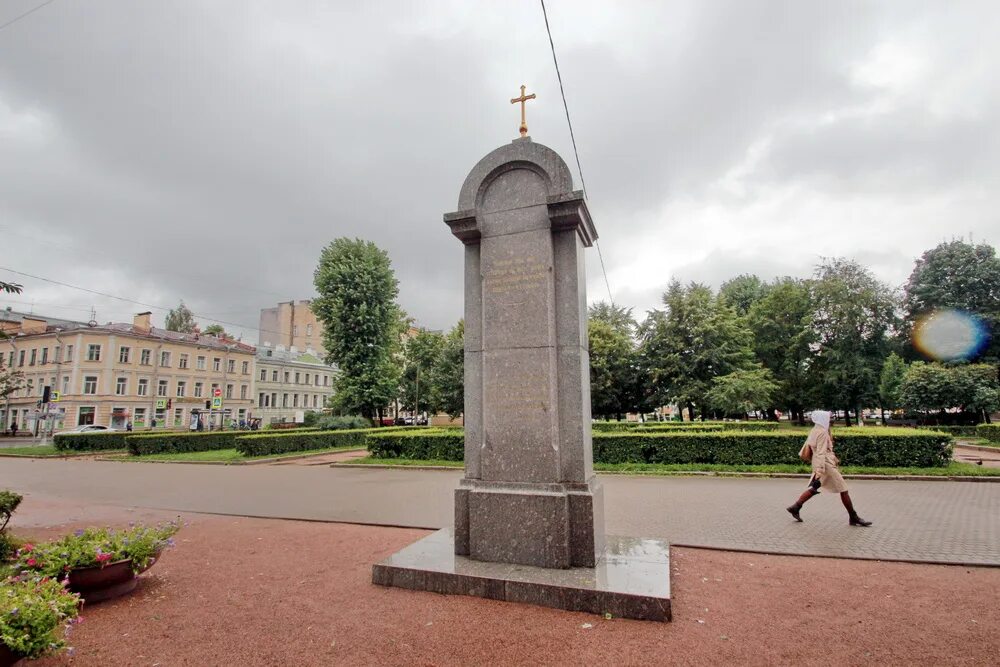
point(217, 392)
point(161, 404)
point(216, 402)
point(55, 396)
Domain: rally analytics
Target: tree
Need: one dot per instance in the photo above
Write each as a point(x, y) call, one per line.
point(11, 380)
point(973, 388)
point(611, 359)
point(784, 342)
point(890, 383)
point(959, 275)
point(854, 314)
point(743, 391)
point(448, 381)
point(362, 323)
point(421, 356)
point(180, 319)
point(696, 338)
point(977, 390)
point(216, 330)
point(742, 292)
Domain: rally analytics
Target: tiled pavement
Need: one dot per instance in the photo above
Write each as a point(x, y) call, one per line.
point(946, 522)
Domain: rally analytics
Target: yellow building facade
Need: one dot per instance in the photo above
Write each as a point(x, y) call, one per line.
point(115, 374)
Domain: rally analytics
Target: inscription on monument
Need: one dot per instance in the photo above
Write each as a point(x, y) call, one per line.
point(516, 274)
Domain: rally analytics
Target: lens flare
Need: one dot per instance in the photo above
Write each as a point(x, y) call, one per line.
point(950, 335)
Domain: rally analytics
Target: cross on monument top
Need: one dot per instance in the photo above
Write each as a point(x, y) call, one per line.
point(522, 99)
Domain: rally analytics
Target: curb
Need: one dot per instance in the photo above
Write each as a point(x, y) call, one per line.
point(980, 448)
point(711, 473)
point(275, 459)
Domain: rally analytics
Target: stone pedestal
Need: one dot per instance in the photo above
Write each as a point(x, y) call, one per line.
point(529, 496)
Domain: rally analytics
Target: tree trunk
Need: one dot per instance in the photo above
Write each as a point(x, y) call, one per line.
point(847, 416)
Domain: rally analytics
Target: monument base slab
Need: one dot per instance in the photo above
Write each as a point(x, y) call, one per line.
point(631, 578)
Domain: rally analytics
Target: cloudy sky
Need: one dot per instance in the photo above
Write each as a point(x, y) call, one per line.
point(207, 151)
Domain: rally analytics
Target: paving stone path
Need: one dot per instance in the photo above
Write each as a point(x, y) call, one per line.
point(945, 522)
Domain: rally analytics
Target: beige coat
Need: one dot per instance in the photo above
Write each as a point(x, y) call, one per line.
point(824, 461)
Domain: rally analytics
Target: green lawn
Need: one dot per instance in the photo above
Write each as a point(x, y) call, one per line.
point(228, 455)
point(37, 450)
point(963, 469)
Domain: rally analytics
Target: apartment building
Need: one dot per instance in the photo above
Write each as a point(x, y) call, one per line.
point(116, 373)
point(289, 384)
point(292, 325)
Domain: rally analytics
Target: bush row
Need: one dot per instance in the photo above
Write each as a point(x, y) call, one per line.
point(990, 432)
point(90, 441)
point(304, 440)
point(964, 430)
point(859, 447)
point(616, 427)
point(180, 441)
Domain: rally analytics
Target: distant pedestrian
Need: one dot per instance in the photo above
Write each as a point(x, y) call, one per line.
point(152, 423)
point(13, 430)
point(128, 426)
point(826, 475)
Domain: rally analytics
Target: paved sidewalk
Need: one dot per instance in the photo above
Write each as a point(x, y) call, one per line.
point(946, 522)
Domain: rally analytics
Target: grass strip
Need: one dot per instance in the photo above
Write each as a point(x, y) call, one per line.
point(230, 455)
point(33, 451)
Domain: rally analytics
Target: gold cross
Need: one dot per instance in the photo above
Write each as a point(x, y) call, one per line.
point(522, 99)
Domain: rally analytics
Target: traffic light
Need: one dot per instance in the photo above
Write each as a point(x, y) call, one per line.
point(170, 402)
point(46, 393)
point(208, 404)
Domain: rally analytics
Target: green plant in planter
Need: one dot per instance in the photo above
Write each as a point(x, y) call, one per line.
point(33, 613)
point(95, 547)
point(8, 545)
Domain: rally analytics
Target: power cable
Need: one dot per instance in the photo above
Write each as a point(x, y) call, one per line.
point(138, 303)
point(26, 14)
point(572, 136)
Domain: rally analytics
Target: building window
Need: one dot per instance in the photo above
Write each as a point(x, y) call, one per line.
point(197, 389)
point(90, 385)
point(121, 386)
point(144, 357)
point(307, 378)
point(20, 358)
point(243, 390)
point(295, 400)
point(93, 352)
point(246, 368)
point(178, 417)
point(295, 329)
point(231, 366)
point(229, 391)
point(160, 417)
point(274, 376)
point(216, 364)
point(263, 375)
point(215, 385)
point(274, 400)
point(181, 388)
point(69, 353)
point(309, 330)
point(34, 354)
point(55, 354)
point(284, 400)
point(164, 358)
point(86, 416)
point(315, 400)
point(124, 354)
point(10, 359)
point(65, 388)
point(45, 355)
point(161, 388)
point(139, 417)
point(200, 363)
point(260, 400)
point(143, 388)
point(296, 378)
point(182, 362)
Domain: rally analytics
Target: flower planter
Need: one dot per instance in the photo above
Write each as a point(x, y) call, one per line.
point(7, 657)
point(103, 583)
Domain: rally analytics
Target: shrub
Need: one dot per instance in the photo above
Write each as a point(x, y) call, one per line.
point(603, 427)
point(990, 432)
point(8, 503)
point(33, 613)
point(438, 444)
point(297, 441)
point(337, 423)
point(91, 441)
point(955, 430)
point(183, 441)
point(859, 447)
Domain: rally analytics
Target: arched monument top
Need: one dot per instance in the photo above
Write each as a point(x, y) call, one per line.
point(519, 154)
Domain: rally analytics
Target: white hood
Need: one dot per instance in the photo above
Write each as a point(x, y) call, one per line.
point(821, 418)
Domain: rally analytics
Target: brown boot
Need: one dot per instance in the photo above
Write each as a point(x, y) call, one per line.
point(794, 509)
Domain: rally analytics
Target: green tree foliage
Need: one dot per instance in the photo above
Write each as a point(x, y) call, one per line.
point(362, 323)
point(890, 383)
point(617, 381)
point(853, 316)
point(448, 381)
point(215, 330)
point(180, 319)
point(696, 338)
point(743, 391)
point(930, 387)
point(421, 356)
point(781, 322)
point(960, 275)
point(742, 292)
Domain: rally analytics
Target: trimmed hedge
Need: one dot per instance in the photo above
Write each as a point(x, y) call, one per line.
point(187, 441)
point(989, 432)
point(297, 441)
point(91, 441)
point(438, 444)
point(860, 447)
point(963, 430)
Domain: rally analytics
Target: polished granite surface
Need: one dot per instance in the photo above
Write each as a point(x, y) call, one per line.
point(631, 578)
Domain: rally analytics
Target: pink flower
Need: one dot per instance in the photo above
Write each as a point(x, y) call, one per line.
point(31, 562)
point(103, 558)
point(28, 547)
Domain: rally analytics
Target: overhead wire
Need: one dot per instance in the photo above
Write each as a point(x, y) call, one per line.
point(572, 136)
point(25, 14)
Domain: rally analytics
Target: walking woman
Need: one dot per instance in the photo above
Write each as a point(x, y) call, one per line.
point(826, 475)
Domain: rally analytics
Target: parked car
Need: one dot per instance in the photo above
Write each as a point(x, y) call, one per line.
point(90, 427)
